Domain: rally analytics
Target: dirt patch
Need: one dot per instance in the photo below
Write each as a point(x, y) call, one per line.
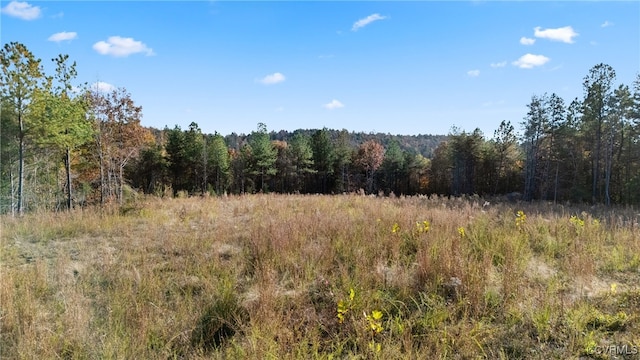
point(539, 269)
point(581, 287)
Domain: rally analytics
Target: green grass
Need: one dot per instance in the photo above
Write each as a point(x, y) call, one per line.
point(267, 276)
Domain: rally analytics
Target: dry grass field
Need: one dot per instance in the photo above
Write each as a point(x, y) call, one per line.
point(326, 277)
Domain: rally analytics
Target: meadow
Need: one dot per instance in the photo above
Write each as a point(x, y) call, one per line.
point(322, 277)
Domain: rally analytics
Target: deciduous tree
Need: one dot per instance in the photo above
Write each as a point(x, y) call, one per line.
point(370, 157)
point(61, 122)
point(119, 138)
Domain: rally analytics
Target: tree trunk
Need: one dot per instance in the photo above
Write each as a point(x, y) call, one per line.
point(218, 190)
point(121, 184)
point(608, 166)
point(205, 179)
point(345, 185)
point(69, 186)
point(102, 175)
point(13, 204)
point(102, 179)
point(21, 167)
point(555, 185)
point(261, 179)
point(596, 164)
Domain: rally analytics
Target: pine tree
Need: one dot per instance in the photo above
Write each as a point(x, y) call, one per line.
point(264, 155)
point(393, 167)
point(598, 90)
point(22, 76)
point(323, 159)
point(220, 162)
point(302, 158)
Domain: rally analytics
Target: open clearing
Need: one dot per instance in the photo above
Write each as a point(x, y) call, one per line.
point(298, 277)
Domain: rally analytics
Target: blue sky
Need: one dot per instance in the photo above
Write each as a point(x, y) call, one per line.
point(395, 67)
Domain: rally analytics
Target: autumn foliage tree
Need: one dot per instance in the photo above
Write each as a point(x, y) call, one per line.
point(119, 138)
point(369, 159)
point(418, 169)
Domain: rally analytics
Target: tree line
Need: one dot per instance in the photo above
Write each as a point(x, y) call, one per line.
point(306, 161)
point(65, 144)
point(62, 144)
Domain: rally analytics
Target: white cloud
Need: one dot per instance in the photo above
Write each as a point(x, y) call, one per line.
point(499, 64)
point(273, 79)
point(22, 10)
point(529, 61)
point(563, 34)
point(121, 47)
point(62, 36)
point(473, 73)
point(527, 41)
point(366, 21)
point(334, 104)
point(102, 87)
point(279, 109)
point(607, 23)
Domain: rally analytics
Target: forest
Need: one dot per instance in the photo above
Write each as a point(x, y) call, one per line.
point(65, 145)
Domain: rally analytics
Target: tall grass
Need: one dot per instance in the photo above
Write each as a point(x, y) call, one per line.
point(289, 277)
